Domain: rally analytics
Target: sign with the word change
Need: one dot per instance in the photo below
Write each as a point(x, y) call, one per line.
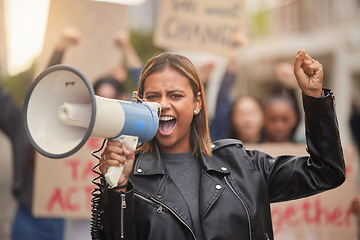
point(205, 25)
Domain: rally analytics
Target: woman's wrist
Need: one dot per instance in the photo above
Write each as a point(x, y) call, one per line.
point(121, 187)
point(314, 93)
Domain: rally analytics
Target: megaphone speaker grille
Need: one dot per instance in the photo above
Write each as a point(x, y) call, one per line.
point(55, 86)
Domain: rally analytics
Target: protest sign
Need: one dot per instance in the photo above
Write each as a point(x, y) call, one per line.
point(322, 216)
point(63, 186)
point(97, 23)
point(205, 25)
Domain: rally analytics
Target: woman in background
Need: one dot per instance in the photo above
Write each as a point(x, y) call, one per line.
point(247, 120)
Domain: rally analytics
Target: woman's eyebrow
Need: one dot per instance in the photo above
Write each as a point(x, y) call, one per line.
point(175, 91)
point(151, 92)
point(170, 91)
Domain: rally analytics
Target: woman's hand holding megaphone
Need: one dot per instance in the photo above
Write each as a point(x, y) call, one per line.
point(114, 155)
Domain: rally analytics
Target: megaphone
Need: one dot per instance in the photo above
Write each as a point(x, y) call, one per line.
point(62, 112)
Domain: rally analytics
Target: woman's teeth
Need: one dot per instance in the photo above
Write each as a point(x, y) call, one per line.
point(166, 118)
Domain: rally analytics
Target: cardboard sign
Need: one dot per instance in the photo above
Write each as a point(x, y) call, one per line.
point(97, 22)
point(63, 186)
point(205, 25)
point(322, 216)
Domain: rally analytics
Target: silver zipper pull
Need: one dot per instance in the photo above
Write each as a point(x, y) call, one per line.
point(334, 102)
point(123, 202)
point(159, 209)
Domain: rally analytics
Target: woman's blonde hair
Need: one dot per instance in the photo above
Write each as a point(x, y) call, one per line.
point(199, 135)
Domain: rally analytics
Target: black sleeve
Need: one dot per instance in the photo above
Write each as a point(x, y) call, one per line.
point(56, 58)
point(291, 177)
point(118, 220)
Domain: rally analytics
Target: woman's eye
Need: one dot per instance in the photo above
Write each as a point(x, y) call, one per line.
point(151, 97)
point(176, 96)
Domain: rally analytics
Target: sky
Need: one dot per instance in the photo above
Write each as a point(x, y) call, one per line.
point(25, 23)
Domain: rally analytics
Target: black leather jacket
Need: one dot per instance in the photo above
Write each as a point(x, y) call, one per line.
point(236, 187)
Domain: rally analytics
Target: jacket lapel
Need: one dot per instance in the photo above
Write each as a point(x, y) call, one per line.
point(210, 187)
point(169, 195)
point(160, 187)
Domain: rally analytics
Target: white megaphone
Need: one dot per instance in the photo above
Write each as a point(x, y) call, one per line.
point(62, 112)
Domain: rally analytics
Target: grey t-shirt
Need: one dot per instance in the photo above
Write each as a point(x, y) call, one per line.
point(184, 169)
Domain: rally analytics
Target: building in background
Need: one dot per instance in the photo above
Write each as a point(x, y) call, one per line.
point(327, 29)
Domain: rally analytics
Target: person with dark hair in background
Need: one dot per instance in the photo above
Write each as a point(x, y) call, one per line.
point(25, 225)
point(285, 92)
point(180, 186)
point(219, 124)
point(131, 65)
point(280, 119)
point(247, 120)
point(112, 84)
point(354, 124)
point(110, 88)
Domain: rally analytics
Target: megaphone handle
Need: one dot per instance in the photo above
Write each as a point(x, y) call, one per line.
point(113, 174)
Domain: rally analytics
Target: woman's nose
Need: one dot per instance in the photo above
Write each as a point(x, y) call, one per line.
point(164, 102)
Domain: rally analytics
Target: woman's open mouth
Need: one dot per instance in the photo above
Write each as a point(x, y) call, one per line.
point(167, 125)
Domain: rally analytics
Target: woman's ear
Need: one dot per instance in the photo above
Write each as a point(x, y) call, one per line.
point(198, 103)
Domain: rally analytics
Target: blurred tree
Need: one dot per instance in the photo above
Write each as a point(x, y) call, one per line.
point(18, 84)
point(143, 44)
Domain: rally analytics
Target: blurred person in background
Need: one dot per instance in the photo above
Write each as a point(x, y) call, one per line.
point(110, 87)
point(286, 84)
point(280, 119)
point(219, 124)
point(25, 225)
point(283, 97)
point(354, 124)
point(131, 65)
point(70, 36)
point(247, 120)
point(112, 84)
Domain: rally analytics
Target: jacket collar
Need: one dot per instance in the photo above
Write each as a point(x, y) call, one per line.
point(163, 190)
point(151, 163)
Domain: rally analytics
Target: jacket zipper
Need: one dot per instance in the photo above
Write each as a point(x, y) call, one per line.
point(246, 210)
point(123, 206)
point(160, 209)
point(267, 236)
